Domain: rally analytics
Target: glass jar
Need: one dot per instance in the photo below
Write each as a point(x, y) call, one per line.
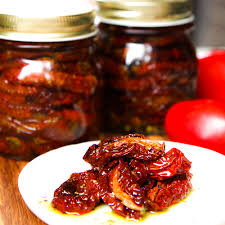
point(147, 60)
point(49, 93)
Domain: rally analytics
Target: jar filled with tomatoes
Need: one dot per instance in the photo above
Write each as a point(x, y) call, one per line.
point(49, 88)
point(147, 60)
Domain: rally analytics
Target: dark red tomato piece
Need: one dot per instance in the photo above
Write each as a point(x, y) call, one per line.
point(211, 77)
point(79, 194)
point(171, 164)
point(118, 189)
point(197, 122)
point(168, 192)
point(128, 146)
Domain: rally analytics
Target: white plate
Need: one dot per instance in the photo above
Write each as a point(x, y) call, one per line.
point(205, 205)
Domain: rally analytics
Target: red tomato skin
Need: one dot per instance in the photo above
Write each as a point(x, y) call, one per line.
point(197, 122)
point(211, 77)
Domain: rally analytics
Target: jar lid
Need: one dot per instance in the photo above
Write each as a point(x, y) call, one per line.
point(47, 20)
point(145, 13)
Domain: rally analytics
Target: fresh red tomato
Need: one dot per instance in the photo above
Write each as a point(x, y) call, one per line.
point(197, 122)
point(211, 76)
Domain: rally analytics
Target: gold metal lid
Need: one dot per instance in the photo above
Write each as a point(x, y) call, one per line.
point(145, 13)
point(47, 24)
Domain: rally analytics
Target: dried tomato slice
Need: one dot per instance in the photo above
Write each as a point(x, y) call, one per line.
point(168, 192)
point(12, 88)
point(23, 110)
point(60, 126)
point(109, 140)
point(171, 164)
point(73, 82)
point(79, 194)
point(130, 147)
point(119, 189)
point(44, 98)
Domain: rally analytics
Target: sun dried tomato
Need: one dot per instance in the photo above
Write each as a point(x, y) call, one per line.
point(170, 164)
point(118, 189)
point(108, 140)
point(69, 82)
point(11, 88)
point(126, 146)
point(168, 192)
point(79, 194)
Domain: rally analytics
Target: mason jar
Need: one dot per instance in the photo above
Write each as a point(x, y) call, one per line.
point(49, 88)
point(147, 60)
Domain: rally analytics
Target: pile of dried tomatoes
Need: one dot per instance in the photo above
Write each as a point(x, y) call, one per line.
point(131, 174)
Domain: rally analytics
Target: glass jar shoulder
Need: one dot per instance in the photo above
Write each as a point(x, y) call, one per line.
point(136, 47)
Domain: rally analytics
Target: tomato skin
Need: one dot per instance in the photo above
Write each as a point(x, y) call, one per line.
point(211, 76)
point(197, 122)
